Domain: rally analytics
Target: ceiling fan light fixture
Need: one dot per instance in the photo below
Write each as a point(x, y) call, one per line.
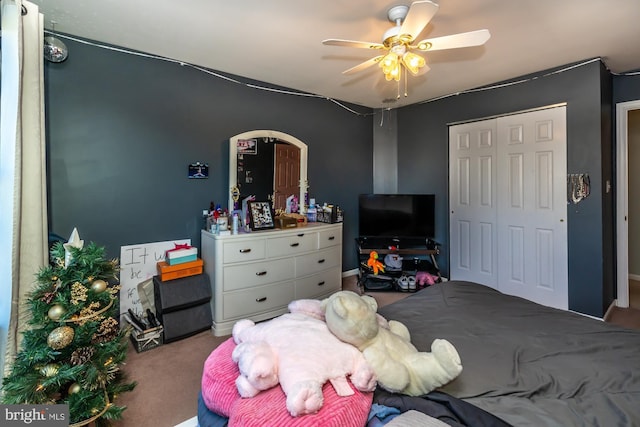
point(413, 62)
point(390, 65)
point(399, 41)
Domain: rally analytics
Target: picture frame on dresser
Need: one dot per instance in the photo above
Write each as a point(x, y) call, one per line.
point(260, 215)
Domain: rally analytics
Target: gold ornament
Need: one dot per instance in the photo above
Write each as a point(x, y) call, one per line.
point(99, 286)
point(49, 370)
point(56, 312)
point(74, 388)
point(60, 337)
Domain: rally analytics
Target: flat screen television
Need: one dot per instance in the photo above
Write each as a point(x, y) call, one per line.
point(407, 217)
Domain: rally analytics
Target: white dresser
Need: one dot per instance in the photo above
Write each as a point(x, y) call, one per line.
point(255, 275)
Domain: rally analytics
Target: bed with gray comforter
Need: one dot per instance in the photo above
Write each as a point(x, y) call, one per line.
point(528, 364)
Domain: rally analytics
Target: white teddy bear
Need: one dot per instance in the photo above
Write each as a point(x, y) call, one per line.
point(398, 365)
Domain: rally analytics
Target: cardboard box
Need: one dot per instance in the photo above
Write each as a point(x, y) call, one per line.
point(171, 272)
point(301, 220)
point(180, 256)
point(285, 222)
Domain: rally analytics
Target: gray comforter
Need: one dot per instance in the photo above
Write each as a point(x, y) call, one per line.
point(525, 363)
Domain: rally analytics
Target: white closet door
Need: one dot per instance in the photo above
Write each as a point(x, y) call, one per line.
point(532, 206)
point(472, 200)
point(507, 196)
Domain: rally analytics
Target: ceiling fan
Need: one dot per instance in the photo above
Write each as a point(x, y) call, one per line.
point(399, 42)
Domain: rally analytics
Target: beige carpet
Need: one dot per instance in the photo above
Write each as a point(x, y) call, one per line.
point(169, 376)
point(168, 380)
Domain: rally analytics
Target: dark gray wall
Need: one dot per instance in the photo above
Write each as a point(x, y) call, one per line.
point(122, 129)
point(423, 156)
point(626, 88)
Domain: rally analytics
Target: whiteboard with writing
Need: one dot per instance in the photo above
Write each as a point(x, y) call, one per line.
point(137, 264)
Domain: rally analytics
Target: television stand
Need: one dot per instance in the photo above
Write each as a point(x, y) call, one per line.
point(366, 245)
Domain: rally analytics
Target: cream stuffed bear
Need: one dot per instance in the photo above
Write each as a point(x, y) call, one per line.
point(398, 365)
point(297, 351)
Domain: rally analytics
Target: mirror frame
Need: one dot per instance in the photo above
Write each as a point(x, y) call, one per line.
point(233, 161)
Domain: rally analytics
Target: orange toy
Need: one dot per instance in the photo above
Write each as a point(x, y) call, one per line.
point(374, 263)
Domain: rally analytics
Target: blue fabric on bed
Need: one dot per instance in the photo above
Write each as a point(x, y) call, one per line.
point(207, 418)
point(381, 415)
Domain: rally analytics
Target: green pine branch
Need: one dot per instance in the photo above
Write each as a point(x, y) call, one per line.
point(81, 368)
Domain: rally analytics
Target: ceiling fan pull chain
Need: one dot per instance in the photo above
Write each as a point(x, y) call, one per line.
point(405, 85)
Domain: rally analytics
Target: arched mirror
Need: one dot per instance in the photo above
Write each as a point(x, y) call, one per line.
point(268, 164)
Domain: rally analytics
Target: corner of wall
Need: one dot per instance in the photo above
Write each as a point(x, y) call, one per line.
point(385, 151)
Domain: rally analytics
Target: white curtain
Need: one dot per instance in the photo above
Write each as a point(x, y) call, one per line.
point(23, 198)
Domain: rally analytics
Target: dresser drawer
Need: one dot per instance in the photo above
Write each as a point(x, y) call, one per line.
point(292, 244)
point(317, 261)
point(257, 300)
point(320, 284)
point(257, 273)
point(328, 238)
point(242, 251)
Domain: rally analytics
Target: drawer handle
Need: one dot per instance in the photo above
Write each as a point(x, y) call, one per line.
point(301, 234)
point(245, 251)
point(293, 245)
point(332, 237)
point(261, 273)
point(321, 283)
point(320, 261)
point(263, 299)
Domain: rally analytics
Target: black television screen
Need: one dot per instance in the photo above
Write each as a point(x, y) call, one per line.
point(397, 215)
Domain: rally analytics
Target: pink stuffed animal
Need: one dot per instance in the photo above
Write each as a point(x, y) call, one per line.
point(425, 279)
point(297, 351)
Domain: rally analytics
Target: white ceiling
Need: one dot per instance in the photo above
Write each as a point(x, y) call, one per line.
point(280, 41)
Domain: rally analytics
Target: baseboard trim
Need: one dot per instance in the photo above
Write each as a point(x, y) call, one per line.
point(607, 314)
point(634, 277)
point(350, 273)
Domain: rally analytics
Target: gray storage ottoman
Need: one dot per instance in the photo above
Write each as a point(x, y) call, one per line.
point(182, 305)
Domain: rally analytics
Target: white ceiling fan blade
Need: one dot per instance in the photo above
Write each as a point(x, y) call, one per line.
point(472, 38)
point(419, 15)
point(363, 65)
point(352, 43)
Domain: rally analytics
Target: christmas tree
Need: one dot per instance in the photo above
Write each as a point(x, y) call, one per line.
point(72, 351)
